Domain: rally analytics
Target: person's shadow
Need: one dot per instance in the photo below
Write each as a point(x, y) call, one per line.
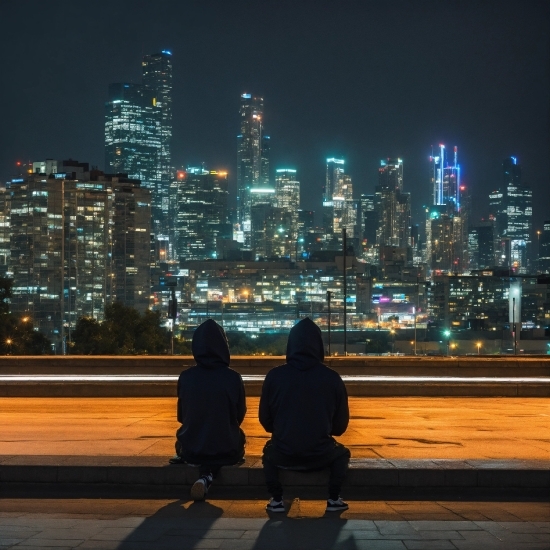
point(326, 533)
point(173, 524)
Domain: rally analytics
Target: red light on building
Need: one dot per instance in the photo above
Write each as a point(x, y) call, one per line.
point(181, 174)
point(18, 163)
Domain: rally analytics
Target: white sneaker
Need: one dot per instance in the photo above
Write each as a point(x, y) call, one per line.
point(275, 505)
point(200, 487)
point(336, 505)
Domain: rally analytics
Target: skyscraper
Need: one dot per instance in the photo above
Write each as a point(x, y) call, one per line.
point(393, 207)
point(481, 240)
point(544, 249)
point(287, 195)
point(138, 133)
point(201, 216)
point(157, 79)
point(252, 160)
point(132, 142)
point(339, 208)
point(390, 174)
point(447, 220)
point(512, 208)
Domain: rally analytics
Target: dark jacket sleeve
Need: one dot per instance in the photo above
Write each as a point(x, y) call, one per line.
point(241, 403)
point(266, 419)
point(178, 405)
point(340, 418)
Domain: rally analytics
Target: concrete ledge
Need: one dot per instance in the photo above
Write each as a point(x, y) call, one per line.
point(535, 387)
point(363, 473)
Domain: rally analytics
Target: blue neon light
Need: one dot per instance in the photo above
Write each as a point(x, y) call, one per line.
point(246, 96)
point(167, 52)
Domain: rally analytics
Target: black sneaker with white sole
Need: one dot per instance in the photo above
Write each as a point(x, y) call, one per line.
point(336, 505)
point(200, 487)
point(275, 505)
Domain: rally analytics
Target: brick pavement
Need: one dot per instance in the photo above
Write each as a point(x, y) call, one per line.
point(180, 524)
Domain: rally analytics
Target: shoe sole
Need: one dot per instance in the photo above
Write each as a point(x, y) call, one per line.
point(339, 509)
point(275, 510)
point(198, 491)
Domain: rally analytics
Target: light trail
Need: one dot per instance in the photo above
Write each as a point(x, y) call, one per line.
point(141, 378)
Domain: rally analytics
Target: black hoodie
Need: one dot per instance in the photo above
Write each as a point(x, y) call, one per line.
point(211, 398)
point(304, 403)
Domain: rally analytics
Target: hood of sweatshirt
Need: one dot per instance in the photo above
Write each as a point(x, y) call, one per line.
point(305, 347)
point(209, 346)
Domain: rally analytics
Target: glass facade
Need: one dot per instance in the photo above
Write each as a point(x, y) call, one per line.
point(138, 133)
point(252, 160)
point(200, 214)
point(69, 255)
point(512, 209)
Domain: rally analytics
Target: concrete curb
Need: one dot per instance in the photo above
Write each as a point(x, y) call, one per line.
point(363, 473)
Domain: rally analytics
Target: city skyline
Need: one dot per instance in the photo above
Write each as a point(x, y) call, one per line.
point(495, 108)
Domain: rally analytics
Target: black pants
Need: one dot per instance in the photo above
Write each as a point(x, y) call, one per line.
point(337, 459)
point(212, 464)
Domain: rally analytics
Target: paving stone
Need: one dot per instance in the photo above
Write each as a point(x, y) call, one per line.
point(52, 543)
point(429, 525)
point(429, 545)
point(396, 528)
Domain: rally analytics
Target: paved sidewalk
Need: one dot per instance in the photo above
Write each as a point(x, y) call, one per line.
point(181, 525)
point(391, 428)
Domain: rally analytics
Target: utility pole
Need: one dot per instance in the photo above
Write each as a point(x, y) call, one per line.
point(329, 296)
point(344, 236)
point(514, 326)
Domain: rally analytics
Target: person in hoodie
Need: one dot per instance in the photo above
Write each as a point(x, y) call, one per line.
point(303, 405)
point(211, 408)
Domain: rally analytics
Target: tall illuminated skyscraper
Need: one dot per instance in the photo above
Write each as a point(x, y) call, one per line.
point(447, 219)
point(287, 194)
point(339, 208)
point(512, 208)
point(157, 79)
point(393, 207)
point(252, 162)
point(138, 133)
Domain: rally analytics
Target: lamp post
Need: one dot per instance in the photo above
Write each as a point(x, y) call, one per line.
point(414, 313)
point(329, 296)
point(345, 246)
point(392, 332)
point(478, 348)
point(448, 335)
point(514, 326)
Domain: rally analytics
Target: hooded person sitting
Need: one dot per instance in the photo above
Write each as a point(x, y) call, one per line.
point(211, 408)
point(303, 405)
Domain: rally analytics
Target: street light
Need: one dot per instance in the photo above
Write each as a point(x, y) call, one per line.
point(478, 348)
point(447, 333)
point(392, 332)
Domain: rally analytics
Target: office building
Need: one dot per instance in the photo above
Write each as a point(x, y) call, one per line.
point(447, 219)
point(512, 207)
point(252, 161)
point(544, 249)
point(200, 215)
point(73, 248)
point(287, 195)
point(138, 133)
point(339, 208)
point(481, 245)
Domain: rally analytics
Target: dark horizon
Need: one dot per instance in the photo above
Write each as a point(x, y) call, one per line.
point(354, 79)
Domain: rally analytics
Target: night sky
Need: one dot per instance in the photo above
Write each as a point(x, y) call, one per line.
point(361, 79)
